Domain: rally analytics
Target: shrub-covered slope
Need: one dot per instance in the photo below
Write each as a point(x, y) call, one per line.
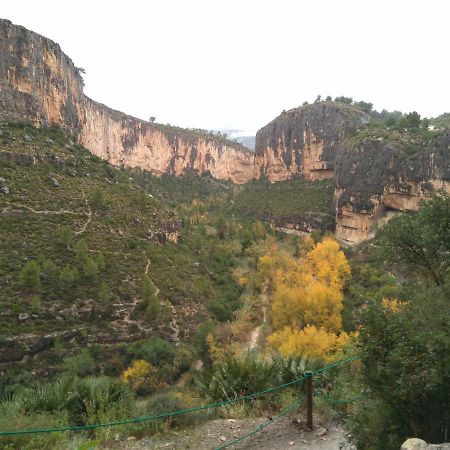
point(78, 239)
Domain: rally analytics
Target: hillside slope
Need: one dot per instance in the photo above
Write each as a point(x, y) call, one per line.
point(95, 235)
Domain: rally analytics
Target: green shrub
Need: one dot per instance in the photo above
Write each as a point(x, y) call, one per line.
point(81, 364)
point(238, 376)
point(30, 277)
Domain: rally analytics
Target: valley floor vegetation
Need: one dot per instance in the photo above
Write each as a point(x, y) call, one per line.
point(148, 295)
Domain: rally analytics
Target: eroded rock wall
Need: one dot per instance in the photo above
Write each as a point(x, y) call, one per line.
point(376, 178)
point(305, 141)
point(39, 83)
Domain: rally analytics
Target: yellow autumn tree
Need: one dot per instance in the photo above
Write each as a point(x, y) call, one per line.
point(328, 263)
point(143, 377)
point(287, 306)
point(307, 300)
point(310, 342)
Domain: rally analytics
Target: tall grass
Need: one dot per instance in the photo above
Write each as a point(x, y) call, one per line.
point(64, 401)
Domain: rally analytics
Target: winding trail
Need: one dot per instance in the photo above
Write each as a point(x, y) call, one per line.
point(256, 332)
point(89, 219)
point(29, 209)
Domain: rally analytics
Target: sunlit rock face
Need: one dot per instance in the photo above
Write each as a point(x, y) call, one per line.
point(305, 141)
point(39, 83)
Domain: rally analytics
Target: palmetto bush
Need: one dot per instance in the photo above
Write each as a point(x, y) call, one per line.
point(294, 367)
point(237, 376)
point(246, 374)
point(82, 401)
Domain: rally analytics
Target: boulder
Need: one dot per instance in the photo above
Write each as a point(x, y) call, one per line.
point(419, 444)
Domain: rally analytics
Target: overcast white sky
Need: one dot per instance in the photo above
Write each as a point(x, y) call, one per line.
point(219, 64)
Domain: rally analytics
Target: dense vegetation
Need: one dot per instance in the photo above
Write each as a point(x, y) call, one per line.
point(147, 280)
point(289, 201)
point(88, 249)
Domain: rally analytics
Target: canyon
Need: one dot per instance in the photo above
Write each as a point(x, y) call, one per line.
point(40, 84)
point(374, 175)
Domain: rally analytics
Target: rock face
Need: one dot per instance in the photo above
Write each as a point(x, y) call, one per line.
point(374, 175)
point(376, 178)
point(305, 141)
point(39, 83)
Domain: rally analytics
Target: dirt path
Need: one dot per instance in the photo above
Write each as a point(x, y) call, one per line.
point(256, 332)
point(89, 219)
point(283, 434)
point(173, 325)
point(29, 209)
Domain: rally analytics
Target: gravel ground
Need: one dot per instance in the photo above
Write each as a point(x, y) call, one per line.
point(285, 433)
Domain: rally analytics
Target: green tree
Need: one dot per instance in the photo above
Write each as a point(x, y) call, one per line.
point(98, 199)
point(90, 269)
point(65, 236)
point(101, 261)
point(364, 106)
point(68, 277)
point(81, 251)
point(49, 270)
point(150, 298)
point(35, 304)
point(344, 100)
point(405, 346)
point(406, 365)
point(419, 242)
point(30, 277)
point(104, 294)
point(413, 119)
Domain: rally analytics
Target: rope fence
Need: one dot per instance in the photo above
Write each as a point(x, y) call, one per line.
point(194, 409)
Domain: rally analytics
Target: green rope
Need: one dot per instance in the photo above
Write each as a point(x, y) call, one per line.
point(282, 413)
point(175, 413)
point(336, 364)
point(159, 416)
point(334, 401)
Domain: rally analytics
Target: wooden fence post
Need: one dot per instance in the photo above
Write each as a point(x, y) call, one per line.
point(309, 400)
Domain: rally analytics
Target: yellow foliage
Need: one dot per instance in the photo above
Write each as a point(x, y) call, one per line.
point(324, 306)
point(393, 305)
point(288, 305)
point(328, 263)
point(219, 352)
point(143, 377)
point(308, 291)
point(310, 342)
point(307, 299)
point(240, 275)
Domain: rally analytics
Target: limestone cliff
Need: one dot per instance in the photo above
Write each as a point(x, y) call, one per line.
point(39, 83)
point(305, 141)
point(377, 173)
point(376, 177)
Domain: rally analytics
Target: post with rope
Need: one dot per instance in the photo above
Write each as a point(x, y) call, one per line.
point(309, 400)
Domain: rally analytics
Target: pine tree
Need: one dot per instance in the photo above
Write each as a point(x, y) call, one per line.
point(65, 236)
point(30, 277)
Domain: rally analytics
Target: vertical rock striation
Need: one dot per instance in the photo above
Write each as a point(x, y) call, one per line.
point(376, 175)
point(376, 178)
point(39, 83)
point(305, 141)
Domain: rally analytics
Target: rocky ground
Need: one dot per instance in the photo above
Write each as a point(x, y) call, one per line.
point(285, 433)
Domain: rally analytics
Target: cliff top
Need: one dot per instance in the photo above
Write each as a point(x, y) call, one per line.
point(20, 37)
